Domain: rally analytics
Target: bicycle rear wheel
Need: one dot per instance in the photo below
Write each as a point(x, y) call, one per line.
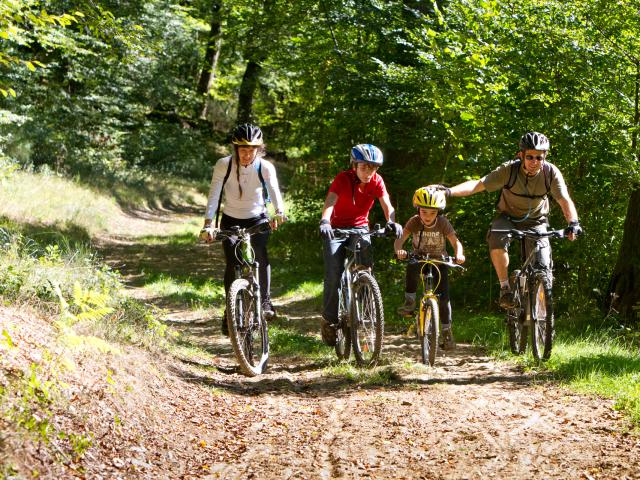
point(542, 321)
point(367, 319)
point(343, 332)
point(248, 333)
point(516, 325)
point(430, 319)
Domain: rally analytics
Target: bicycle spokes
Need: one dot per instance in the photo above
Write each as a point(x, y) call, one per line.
point(367, 323)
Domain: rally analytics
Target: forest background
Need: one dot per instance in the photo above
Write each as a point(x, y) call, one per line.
point(118, 93)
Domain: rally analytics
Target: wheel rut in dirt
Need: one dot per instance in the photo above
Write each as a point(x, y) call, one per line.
point(468, 417)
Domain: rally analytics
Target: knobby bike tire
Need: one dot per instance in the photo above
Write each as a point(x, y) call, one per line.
point(249, 335)
point(516, 326)
point(343, 332)
point(542, 322)
point(367, 319)
point(429, 337)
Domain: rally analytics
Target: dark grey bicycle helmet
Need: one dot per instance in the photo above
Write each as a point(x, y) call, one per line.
point(247, 134)
point(534, 141)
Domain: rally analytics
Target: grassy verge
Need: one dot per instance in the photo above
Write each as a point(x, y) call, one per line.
point(601, 361)
point(44, 206)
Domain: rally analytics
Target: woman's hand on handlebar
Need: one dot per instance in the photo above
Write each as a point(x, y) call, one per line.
point(277, 220)
point(401, 254)
point(208, 234)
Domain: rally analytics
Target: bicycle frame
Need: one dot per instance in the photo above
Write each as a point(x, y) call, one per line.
point(532, 296)
point(349, 273)
point(360, 312)
point(247, 266)
point(429, 288)
point(244, 306)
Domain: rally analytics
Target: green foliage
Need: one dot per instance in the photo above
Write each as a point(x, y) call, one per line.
point(72, 282)
point(445, 89)
point(370, 377)
point(284, 341)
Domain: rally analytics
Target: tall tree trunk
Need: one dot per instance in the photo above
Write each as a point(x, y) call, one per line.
point(247, 89)
point(624, 287)
point(212, 54)
point(636, 117)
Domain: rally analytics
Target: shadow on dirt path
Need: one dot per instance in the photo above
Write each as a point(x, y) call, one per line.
point(311, 417)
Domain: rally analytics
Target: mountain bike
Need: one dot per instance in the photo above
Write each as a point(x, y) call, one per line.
point(531, 286)
point(248, 330)
point(428, 316)
point(360, 310)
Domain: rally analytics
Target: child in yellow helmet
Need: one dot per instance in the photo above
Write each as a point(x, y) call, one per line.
point(429, 230)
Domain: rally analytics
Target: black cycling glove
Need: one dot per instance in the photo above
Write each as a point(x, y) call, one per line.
point(575, 228)
point(394, 228)
point(325, 230)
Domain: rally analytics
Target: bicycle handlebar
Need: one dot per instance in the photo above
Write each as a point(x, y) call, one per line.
point(447, 260)
point(519, 234)
point(241, 232)
point(377, 231)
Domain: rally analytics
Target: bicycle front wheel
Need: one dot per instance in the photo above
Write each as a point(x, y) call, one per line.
point(343, 332)
point(247, 331)
point(429, 321)
point(543, 328)
point(516, 326)
point(367, 319)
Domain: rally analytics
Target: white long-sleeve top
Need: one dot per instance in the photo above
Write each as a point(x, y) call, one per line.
point(251, 204)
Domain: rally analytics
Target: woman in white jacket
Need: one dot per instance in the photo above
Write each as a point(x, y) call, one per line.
point(239, 183)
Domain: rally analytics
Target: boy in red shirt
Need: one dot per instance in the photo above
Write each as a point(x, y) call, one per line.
point(351, 196)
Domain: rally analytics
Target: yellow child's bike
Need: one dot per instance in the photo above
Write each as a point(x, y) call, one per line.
point(428, 315)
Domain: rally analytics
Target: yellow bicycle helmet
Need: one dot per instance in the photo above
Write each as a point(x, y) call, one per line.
point(426, 197)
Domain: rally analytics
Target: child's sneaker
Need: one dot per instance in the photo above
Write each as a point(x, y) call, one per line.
point(446, 339)
point(408, 308)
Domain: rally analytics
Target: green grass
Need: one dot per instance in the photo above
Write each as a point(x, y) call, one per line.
point(285, 341)
point(371, 377)
point(197, 293)
point(304, 291)
point(596, 361)
point(28, 199)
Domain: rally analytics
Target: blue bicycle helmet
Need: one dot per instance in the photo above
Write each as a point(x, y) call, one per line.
point(367, 153)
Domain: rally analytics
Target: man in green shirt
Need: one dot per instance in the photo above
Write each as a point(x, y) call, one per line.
point(525, 185)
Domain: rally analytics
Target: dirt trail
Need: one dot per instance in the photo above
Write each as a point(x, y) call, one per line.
point(469, 417)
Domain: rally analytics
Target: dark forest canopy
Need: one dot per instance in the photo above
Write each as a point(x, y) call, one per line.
point(102, 89)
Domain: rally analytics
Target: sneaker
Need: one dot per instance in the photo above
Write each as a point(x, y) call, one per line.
point(328, 333)
point(446, 339)
point(268, 310)
point(408, 308)
point(506, 298)
point(224, 326)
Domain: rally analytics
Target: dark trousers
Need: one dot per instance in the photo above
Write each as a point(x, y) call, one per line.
point(258, 242)
point(442, 290)
point(334, 252)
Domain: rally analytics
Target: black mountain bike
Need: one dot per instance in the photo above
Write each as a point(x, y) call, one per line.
point(247, 326)
point(360, 309)
point(531, 285)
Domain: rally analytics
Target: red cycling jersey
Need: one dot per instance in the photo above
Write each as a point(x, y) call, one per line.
point(353, 206)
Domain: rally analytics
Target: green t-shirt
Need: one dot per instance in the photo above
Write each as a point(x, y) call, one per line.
point(528, 194)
